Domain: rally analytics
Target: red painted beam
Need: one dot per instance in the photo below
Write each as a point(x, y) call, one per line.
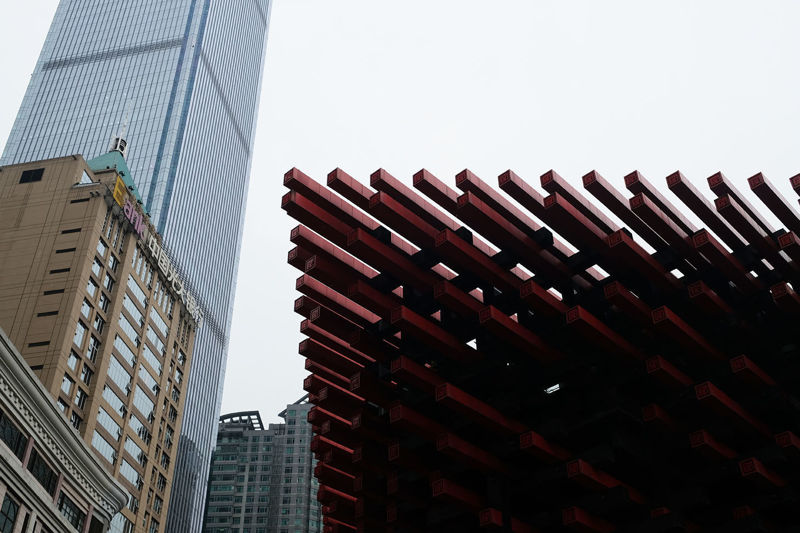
point(477, 410)
point(675, 328)
point(720, 185)
point(408, 371)
point(785, 298)
point(667, 373)
point(701, 207)
point(435, 336)
point(708, 394)
point(555, 184)
point(755, 470)
point(637, 183)
point(536, 445)
point(775, 201)
point(542, 301)
point(616, 293)
point(577, 519)
point(343, 183)
point(445, 489)
point(517, 335)
point(703, 442)
point(466, 452)
point(582, 321)
point(707, 300)
point(725, 262)
point(747, 370)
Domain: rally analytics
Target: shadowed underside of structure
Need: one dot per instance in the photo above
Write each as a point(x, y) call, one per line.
point(471, 370)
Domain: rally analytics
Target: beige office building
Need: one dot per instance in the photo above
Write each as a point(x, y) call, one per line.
point(102, 315)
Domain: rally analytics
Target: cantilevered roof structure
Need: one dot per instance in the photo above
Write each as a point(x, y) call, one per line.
point(550, 358)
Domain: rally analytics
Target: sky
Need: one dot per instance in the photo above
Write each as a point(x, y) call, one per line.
point(573, 86)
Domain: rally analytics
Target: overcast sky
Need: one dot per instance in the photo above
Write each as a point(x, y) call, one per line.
point(453, 84)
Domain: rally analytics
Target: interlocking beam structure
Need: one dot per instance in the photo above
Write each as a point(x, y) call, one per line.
point(513, 360)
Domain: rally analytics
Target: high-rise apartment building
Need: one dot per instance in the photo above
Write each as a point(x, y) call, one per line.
point(95, 305)
point(182, 78)
point(262, 480)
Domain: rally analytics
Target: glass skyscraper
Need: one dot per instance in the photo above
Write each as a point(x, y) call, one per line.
point(182, 79)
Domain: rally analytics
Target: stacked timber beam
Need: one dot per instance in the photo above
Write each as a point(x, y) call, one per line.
point(524, 366)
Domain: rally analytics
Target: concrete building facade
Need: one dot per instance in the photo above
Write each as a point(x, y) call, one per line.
point(103, 317)
point(262, 479)
point(49, 479)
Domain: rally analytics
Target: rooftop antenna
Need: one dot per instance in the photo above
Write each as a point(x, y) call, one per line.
point(118, 142)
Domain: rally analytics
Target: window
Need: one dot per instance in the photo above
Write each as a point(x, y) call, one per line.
point(156, 320)
point(86, 309)
point(153, 526)
point(142, 402)
point(152, 360)
point(137, 291)
point(129, 330)
point(29, 176)
point(113, 263)
point(123, 349)
point(97, 267)
point(8, 515)
point(75, 420)
point(99, 323)
point(119, 375)
point(148, 379)
point(129, 472)
point(135, 451)
point(12, 436)
point(129, 306)
point(80, 398)
point(157, 342)
point(91, 288)
point(101, 445)
point(102, 248)
point(80, 333)
point(108, 423)
point(73, 360)
point(42, 472)
point(108, 282)
point(103, 303)
point(86, 375)
point(157, 504)
point(66, 385)
point(92, 349)
point(71, 512)
point(113, 400)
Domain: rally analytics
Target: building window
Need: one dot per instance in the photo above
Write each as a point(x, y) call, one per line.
point(86, 309)
point(71, 512)
point(75, 420)
point(29, 176)
point(8, 515)
point(45, 475)
point(66, 385)
point(99, 323)
point(92, 349)
point(108, 282)
point(12, 436)
point(86, 373)
point(97, 267)
point(80, 333)
point(80, 398)
point(101, 445)
point(103, 303)
point(102, 248)
point(73, 360)
point(91, 288)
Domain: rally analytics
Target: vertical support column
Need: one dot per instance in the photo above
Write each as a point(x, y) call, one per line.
point(88, 521)
point(3, 489)
point(27, 455)
point(58, 489)
point(34, 526)
point(22, 513)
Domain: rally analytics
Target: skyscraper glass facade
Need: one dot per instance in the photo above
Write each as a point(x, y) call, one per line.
point(181, 79)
